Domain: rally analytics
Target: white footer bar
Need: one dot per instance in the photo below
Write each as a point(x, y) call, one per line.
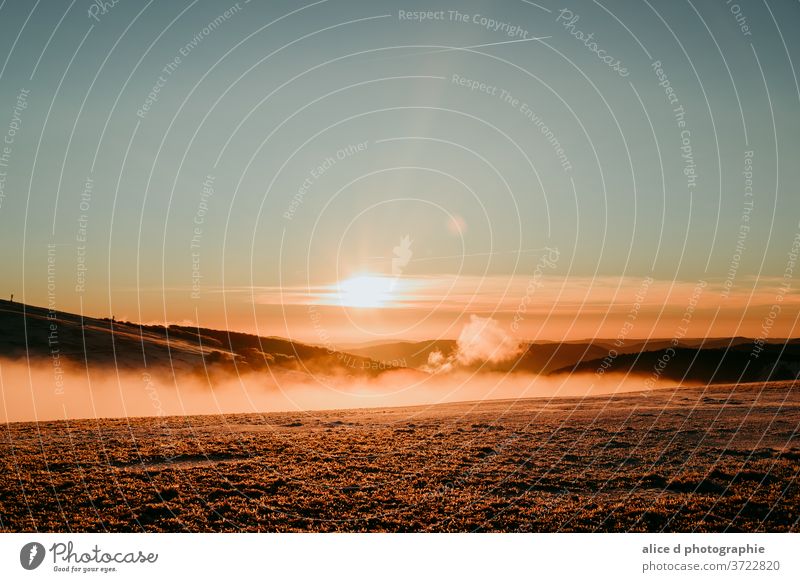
point(408, 557)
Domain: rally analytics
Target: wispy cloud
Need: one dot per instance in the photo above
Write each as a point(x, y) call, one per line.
point(547, 296)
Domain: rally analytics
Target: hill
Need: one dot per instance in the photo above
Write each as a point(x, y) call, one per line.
point(37, 332)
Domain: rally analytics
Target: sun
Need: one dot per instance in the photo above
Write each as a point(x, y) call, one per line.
point(365, 291)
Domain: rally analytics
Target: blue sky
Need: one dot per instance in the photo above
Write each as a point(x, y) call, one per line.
point(267, 94)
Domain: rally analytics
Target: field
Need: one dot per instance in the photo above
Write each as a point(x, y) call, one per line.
point(722, 458)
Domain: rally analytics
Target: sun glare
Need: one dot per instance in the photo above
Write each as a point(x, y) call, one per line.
point(365, 291)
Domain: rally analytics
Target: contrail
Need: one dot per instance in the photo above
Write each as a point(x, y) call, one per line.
point(458, 48)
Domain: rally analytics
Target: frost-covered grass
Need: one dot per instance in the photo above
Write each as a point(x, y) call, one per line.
point(716, 459)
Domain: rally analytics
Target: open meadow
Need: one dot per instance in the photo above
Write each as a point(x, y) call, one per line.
point(722, 458)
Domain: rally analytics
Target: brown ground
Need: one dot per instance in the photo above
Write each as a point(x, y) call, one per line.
point(714, 459)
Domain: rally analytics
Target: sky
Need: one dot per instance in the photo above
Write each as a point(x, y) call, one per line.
point(351, 172)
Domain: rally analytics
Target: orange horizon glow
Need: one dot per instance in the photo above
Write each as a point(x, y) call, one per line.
point(370, 307)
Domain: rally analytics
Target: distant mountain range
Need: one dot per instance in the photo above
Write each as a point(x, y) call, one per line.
point(39, 333)
point(729, 365)
point(713, 360)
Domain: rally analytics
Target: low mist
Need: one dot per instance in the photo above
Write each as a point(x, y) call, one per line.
point(34, 392)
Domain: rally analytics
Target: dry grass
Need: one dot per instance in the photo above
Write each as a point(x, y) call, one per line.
point(719, 459)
